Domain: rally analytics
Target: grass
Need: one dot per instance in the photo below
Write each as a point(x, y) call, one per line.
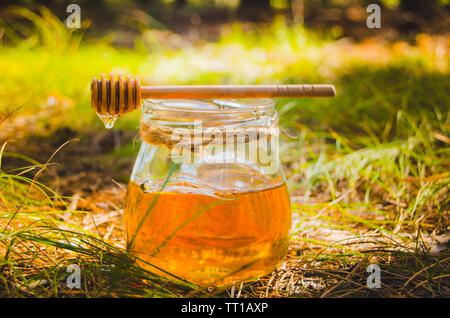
point(368, 171)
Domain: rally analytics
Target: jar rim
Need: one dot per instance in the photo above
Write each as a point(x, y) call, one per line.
point(211, 106)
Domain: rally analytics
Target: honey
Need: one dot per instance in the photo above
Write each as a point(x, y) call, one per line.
point(208, 239)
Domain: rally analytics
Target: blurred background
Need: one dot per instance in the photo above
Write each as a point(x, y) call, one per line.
point(401, 18)
point(47, 66)
point(378, 150)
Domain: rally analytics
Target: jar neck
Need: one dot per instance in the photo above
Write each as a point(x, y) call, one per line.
point(210, 113)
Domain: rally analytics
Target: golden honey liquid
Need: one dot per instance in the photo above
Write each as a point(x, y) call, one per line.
point(205, 239)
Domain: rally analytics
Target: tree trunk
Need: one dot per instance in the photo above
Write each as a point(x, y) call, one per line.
point(298, 8)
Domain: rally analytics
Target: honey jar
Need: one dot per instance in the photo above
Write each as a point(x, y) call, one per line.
point(207, 200)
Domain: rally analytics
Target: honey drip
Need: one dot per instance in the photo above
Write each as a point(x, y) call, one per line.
point(108, 120)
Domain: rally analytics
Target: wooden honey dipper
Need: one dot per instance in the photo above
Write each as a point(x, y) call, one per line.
point(122, 95)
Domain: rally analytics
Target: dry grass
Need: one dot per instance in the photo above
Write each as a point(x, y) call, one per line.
point(332, 244)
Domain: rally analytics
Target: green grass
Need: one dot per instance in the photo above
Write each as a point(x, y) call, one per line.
point(372, 163)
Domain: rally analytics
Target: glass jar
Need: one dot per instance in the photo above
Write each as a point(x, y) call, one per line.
point(207, 200)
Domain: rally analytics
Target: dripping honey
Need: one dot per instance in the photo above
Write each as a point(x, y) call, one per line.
point(209, 240)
